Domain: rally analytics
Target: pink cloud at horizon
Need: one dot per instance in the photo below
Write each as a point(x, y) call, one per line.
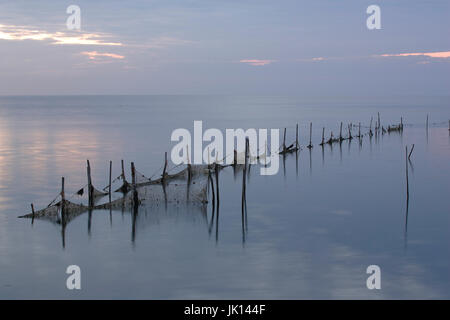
point(92, 55)
point(440, 54)
point(257, 62)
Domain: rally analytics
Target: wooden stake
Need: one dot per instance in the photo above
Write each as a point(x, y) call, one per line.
point(379, 122)
point(133, 182)
point(63, 199)
point(165, 167)
point(284, 140)
point(133, 175)
point(110, 173)
point(296, 136)
point(340, 133)
point(123, 172)
point(407, 182)
point(90, 188)
point(32, 212)
point(244, 174)
point(216, 171)
point(412, 148)
point(323, 136)
point(310, 136)
point(427, 122)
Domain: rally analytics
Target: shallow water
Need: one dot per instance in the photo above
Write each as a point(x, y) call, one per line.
point(312, 229)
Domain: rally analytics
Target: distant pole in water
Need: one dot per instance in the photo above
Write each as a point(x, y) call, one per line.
point(244, 175)
point(133, 182)
point(266, 151)
point(310, 136)
point(32, 212)
point(165, 167)
point(63, 198)
point(323, 136)
point(412, 148)
point(350, 132)
point(188, 163)
point(427, 123)
point(370, 127)
point(340, 133)
point(296, 136)
point(90, 188)
point(123, 171)
point(216, 172)
point(284, 140)
point(407, 182)
point(234, 157)
point(379, 122)
point(359, 130)
point(110, 173)
point(133, 175)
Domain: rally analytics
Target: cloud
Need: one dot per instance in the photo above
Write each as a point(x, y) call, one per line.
point(94, 55)
point(257, 62)
point(441, 54)
point(20, 33)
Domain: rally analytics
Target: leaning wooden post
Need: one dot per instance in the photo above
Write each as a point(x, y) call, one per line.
point(323, 136)
point(133, 182)
point(63, 198)
point(90, 188)
point(410, 152)
point(165, 167)
point(370, 127)
point(284, 140)
point(123, 171)
point(310, 136)
point(32, 213)
point(216, 172)
point(133, 175)
point(188, 163)
point(110, 173)
point(407, 182)
point(244, 174)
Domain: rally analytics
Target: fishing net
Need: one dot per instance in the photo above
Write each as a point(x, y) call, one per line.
point(187, 186)
point(170, 192)
point(53, 212)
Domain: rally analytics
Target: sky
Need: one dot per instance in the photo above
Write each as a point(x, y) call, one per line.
point(245, 47)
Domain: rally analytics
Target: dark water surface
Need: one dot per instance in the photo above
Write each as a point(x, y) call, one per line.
point(312, 229)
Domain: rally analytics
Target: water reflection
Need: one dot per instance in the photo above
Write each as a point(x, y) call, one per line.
point(283, 250)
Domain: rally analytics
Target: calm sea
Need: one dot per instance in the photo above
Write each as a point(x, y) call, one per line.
point(312, 229)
